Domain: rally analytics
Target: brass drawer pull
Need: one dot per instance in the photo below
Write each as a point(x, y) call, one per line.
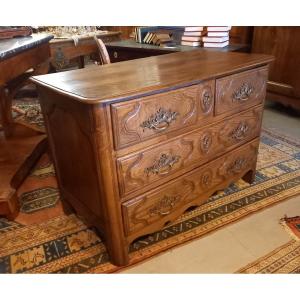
point(163, 165)
point(238, 165)
point(240, 132)
point(243, 93)
point(164, 206)
point(160, 120)
point(115, 54)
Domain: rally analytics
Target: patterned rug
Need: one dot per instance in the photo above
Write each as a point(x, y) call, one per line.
point(283, 260)
point(44, 240)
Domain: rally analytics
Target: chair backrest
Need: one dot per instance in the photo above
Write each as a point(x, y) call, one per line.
point(103, 54)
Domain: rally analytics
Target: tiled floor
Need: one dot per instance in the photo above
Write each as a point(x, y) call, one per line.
point(234, 246)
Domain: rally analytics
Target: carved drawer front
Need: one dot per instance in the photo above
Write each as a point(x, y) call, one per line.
point(151, 116)
point(168, 202)
point(239, 91)
point(159, 163)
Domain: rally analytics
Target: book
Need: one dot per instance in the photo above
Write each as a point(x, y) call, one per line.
point(191, 38)
point(211, 39)
point(218, 33)
point(194, 33)
point(150, 39)
point(193, 28)
point(146, 37)
point(141, 32)
point(188, 43)
point(216, 45)
point(218, 28)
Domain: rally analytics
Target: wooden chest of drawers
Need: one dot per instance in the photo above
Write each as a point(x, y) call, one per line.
point(135, 144)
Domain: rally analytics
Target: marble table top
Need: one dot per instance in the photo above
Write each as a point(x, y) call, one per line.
point(11, 47)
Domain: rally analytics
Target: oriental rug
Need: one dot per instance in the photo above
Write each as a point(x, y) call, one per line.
point(43, 239)
point(283, 260)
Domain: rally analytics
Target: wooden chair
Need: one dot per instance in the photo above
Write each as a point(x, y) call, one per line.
point(103, 54)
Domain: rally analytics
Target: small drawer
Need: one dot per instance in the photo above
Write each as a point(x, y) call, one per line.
point(162, 162)
point(169, 201)
point(240, 91)
point(155, 115)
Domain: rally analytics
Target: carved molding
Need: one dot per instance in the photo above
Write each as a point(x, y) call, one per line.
point(125, 120)
point(206, 179)
point(133, 181)
point(206, 142)
point(207, 100)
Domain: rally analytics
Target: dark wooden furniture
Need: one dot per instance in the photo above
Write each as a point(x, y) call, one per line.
point(284, 80)
point(63, 51)
point(129, 49)
point(136, 144)
point(20, 147)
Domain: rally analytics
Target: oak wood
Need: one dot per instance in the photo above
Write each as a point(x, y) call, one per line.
point(95, 145)
point(166, 203)
point(188, 151)
point(136, 78)
point(284, 43)
point(239, 91)
point(136, 121)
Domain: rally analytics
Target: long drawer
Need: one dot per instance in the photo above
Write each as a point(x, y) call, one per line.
point(161, 163)
point(151, 116)
point(158, 205)
point(240, 91)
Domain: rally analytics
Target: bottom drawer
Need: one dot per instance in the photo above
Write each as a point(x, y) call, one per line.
point(170, 200)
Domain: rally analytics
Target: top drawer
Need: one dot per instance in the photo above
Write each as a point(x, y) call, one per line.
point(150, 116)
point(240, 91)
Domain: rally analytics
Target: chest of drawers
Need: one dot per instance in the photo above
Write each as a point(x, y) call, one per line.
point(135, 144)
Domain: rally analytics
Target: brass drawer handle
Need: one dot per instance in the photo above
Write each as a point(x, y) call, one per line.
point(241, 131)
point(164, 206)
point(238, 165)
point(243, 93)
point(163, 165)
point(115, 54)
point(160, 120)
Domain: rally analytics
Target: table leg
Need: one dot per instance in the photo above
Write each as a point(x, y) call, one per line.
point(5, 111)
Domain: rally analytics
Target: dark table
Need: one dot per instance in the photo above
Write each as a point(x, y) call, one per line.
point(129, 49)
point(20, 147)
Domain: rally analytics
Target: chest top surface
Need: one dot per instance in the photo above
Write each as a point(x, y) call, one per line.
point(129, 79)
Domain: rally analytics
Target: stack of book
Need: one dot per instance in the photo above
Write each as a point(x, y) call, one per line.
point(217, 36)
point(157, 38)
point(192, 36)
point(159, 34)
